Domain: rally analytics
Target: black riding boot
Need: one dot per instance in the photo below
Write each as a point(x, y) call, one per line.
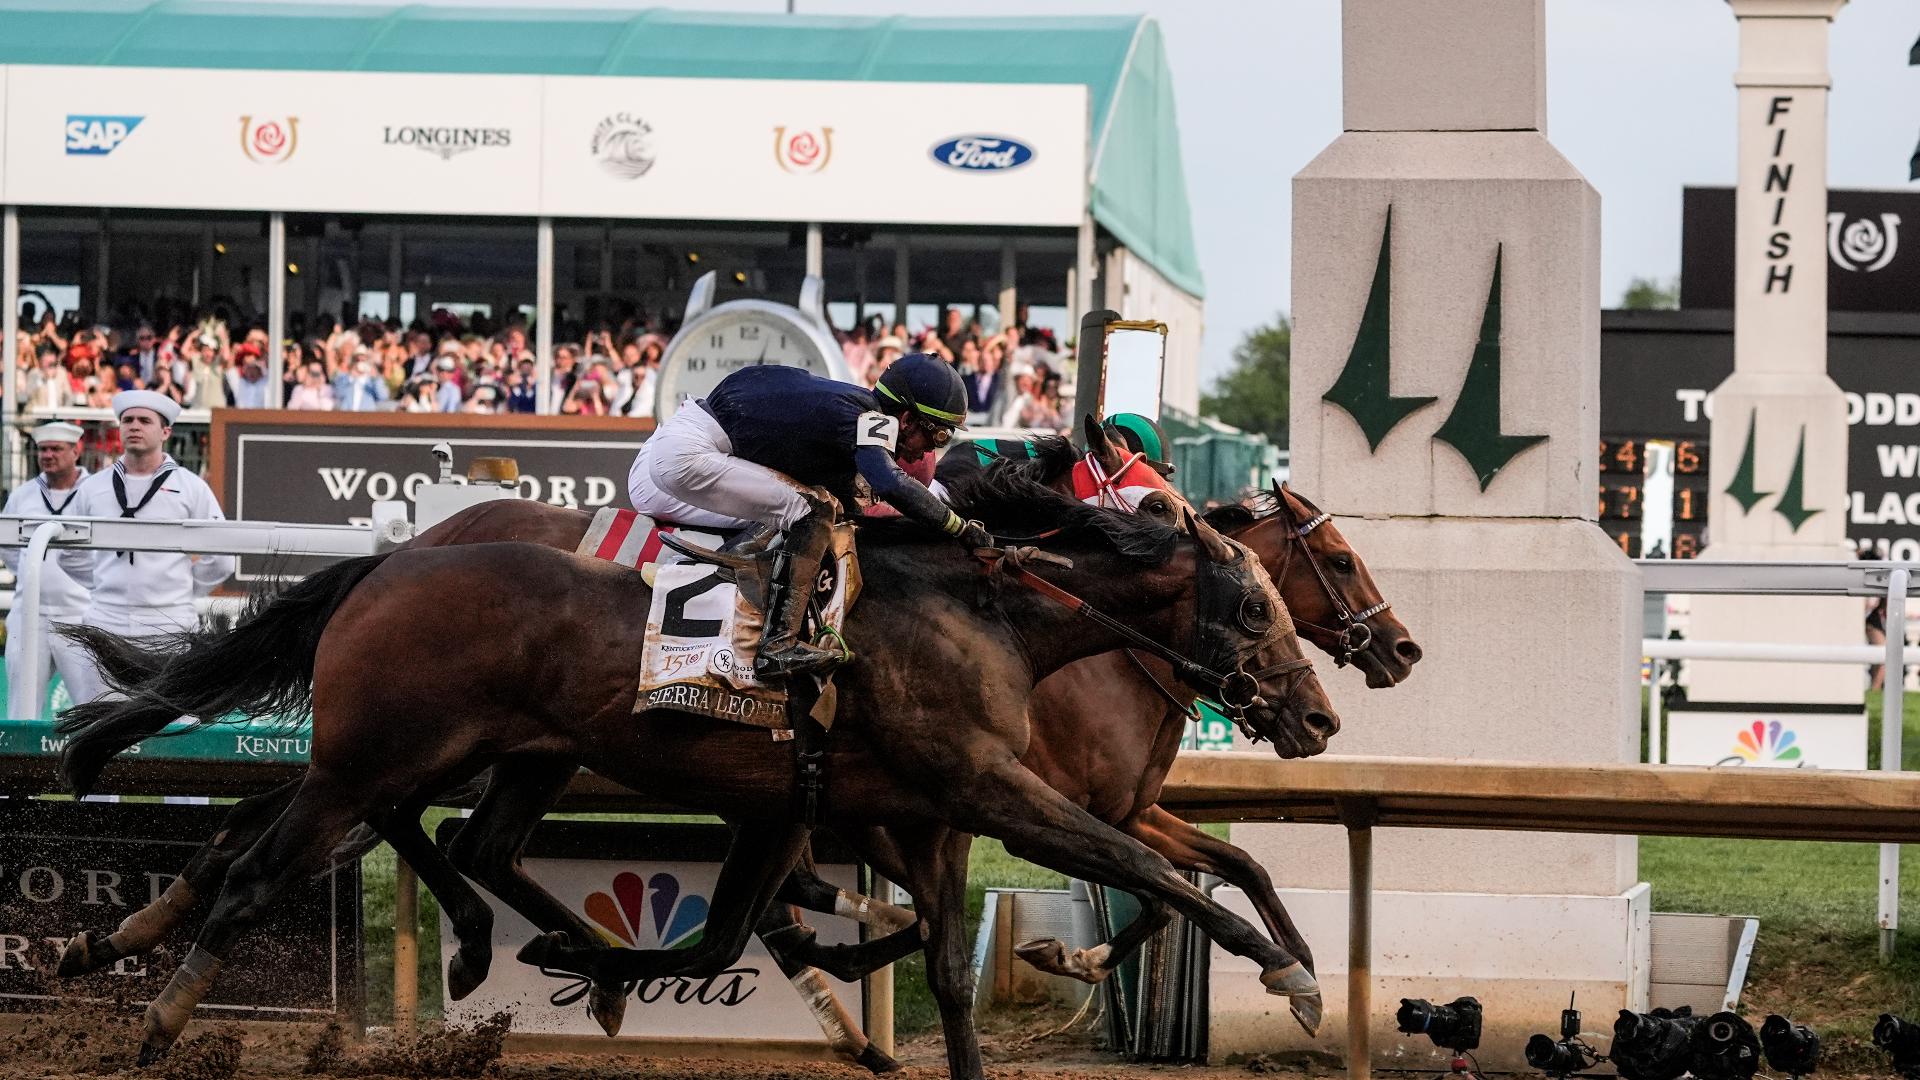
point(784, 651)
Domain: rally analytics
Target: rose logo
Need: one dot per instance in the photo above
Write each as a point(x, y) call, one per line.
point(269, 141)
point(807, 151)
point(802, 149)
point(1865, 244)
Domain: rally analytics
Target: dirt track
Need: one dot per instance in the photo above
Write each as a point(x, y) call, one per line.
point(90, 1042)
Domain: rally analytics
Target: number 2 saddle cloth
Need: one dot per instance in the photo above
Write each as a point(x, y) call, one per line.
point(705, 622)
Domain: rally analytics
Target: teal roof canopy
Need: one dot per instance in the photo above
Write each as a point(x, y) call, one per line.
point(1138, 188)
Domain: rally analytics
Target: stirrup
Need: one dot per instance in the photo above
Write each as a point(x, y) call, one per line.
point(799, 658)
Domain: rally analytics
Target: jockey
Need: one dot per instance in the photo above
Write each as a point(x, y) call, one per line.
point(723, 461)
point(1142, 435)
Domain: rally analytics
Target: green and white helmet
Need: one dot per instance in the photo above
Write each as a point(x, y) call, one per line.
point(1143, 436)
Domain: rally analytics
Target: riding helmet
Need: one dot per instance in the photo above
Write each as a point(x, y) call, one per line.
point(929, 386)
point(1142, 436)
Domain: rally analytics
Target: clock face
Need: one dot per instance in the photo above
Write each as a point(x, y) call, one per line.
point(729, 338)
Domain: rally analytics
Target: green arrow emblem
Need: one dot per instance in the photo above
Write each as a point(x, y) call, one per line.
point(1792, 504)
point(1473, 428)
point(1364, 388)
point(1741, 487)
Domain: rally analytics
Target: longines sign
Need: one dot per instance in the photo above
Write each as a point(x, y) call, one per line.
point(67, 867)
point(330, 468)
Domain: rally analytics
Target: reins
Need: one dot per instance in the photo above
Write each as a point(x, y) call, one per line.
point(1237, 690)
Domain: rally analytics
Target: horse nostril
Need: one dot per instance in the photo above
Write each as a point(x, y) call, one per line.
point(1406, 650)
point(1321, 724)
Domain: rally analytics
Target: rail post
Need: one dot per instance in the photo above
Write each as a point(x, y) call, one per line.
point(23, 701)
point(1893, 717)
point(406, 946)
point(1358, 816)
point(880, 987)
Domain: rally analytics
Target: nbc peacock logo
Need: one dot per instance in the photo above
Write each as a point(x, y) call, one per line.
point(1764, 743)
point(654, 913)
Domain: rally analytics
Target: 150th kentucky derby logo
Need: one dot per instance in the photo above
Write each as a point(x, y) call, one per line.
point(269, 142)
point(621, 144)
point(807, 150)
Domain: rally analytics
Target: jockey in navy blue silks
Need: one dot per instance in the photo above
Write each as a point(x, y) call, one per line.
point(717, 462)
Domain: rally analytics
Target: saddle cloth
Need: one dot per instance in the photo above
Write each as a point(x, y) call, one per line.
point(703, 628)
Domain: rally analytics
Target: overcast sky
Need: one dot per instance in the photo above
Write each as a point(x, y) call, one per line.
point(1640, 98)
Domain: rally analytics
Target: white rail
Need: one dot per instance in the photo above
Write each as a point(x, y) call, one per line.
point(39, 534)
point(1893, 580)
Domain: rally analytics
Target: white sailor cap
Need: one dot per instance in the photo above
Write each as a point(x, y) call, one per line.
point(168, 408)
point(57, 431)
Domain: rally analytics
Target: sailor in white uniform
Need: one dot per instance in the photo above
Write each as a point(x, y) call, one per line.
point(142, 593)
point(62, 600)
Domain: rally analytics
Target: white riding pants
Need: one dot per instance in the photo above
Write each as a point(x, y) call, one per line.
point(686, 473)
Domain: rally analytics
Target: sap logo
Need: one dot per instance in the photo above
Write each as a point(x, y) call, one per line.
point(982, 153)
point(99, 135)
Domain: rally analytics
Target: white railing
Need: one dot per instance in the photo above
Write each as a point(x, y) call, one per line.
point(39, 534)
point(1895, 581)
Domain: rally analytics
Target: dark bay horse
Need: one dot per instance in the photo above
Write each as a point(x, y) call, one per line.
point(932, 723)
point(1104, 735)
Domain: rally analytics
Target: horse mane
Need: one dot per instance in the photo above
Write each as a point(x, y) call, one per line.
point(1007, 499)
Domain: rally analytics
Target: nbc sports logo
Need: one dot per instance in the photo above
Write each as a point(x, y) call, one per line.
point(1764, 743)
point(655, 913)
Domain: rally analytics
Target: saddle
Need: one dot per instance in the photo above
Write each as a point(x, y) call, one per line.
point(709, 612)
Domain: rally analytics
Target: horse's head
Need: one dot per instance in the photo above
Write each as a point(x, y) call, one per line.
point(1332, 596)
point(1111, 475)
point(1242, 630)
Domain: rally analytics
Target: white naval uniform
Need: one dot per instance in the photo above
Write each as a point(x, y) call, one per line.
point(62, 599)
point(147, 592)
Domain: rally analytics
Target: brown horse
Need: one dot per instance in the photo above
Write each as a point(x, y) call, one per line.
point(909, 745)
point(1321, 579)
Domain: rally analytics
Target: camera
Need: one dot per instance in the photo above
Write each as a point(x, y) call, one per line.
point(1790, 1048)
point(1566, 1055)
point(1723, 1047)
point(1454, 1026)
point(1901, 1039)
point(1652, 1046)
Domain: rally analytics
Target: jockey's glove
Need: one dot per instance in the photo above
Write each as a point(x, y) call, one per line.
point(975, 535)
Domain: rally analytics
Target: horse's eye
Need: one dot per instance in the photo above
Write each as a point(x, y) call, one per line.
point(1342, 563)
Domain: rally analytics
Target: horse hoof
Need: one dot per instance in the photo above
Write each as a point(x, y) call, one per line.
point(1290, 981)
point(467, 970)
point(150, 1053)
point(872, 1060)
point(1051, 956)
point(608, 1007)
point(1307, 1009)
point(545, 950)
point(75, 958)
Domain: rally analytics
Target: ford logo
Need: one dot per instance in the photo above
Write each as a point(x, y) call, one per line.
point(982, 153)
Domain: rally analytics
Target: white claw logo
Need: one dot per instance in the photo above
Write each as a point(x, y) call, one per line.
point(1865, 244)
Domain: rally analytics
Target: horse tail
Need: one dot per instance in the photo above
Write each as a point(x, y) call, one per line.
point(261, 669)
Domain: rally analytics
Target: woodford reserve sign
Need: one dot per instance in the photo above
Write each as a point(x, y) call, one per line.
point(331, 467)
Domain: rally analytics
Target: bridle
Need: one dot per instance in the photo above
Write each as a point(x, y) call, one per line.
point(1352, 634)
point(1106, 485)
point(1235, 690)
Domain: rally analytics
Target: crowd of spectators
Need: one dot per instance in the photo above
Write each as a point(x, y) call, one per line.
point(446, 364)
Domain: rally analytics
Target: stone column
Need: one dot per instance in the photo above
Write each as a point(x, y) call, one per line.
point(1778, 467)
point(1446, 407)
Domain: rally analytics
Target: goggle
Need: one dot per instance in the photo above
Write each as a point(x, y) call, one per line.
point(939, 434)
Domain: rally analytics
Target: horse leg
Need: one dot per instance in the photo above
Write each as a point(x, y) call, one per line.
point(470, 915)
point(294, 847)
point(1037, 823)
point(805, 888)
point(1189, 848)
point(936, 874)
point(791, 943)
point(488, 846)
point(139, 932)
